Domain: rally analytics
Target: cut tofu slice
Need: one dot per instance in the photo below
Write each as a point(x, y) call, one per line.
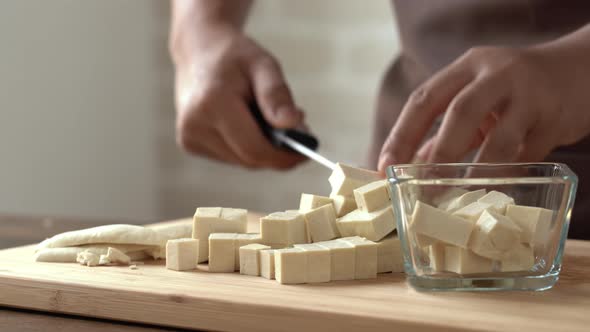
point(498, 201)
point(440, 225)
point(436, 256)
point(463, 261)
point(319, 266)
point(182, 254)
point(283, 229)
point(342, 259)
point(310, 202)
point(465, 200)
point(372, 197)
point(389, 255)
point(250, 258)
point(267, 264)
point(88, 258)
point(534, 222)
point(222, 252)
point(343, 204)
point(209, 220)
point(472, 212)
point(291, 266)
point(345, 179)
point(444, 199)
point(321, 224)
point(519, 258)
point(494, 234)
point(243, 240)
point(371, 225)
point(365, 253)
point(114, 256)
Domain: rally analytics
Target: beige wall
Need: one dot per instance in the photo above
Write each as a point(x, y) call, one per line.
point(86, 123)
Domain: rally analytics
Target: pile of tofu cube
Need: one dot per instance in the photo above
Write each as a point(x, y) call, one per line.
point(471, 232)
point(348, 235)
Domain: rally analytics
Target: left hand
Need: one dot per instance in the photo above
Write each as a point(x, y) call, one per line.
point(511, 103)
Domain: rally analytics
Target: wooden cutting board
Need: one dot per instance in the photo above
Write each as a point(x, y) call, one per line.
point(232, 302)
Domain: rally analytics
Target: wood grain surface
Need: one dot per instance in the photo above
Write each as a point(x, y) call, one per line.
point(233, 302)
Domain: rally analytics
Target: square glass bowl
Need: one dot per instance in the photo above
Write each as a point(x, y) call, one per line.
point(479, 248)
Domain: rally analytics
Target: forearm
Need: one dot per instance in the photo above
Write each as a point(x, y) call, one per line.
point(194, 23)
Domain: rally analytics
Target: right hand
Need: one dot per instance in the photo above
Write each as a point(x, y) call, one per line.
point(218, 73)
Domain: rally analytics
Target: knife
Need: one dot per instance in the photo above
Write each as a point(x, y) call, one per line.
point(294, 140)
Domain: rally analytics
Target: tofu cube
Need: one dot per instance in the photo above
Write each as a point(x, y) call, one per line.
point(498, 201)
point(389, 255)
point(463, 261)
point(441, 225)
point(371, 225)
point(318, 262)
point(436, 256)
point(310, 202)
point(342, 259)
point(283, 229)
point(116, 256)
point(446, 197)
point(267, 264)
point(321, 224)
point(209, 220)
point(182, 254)
point(345, 179)
point(494, 234)
point(519, 258)
point(291, 266)
point(365, 253)
point(250, 258)
point(243, 240)
point(222, 252)
point(472, 212)
point(343, 204)
point(372, 197)
point(534, 222)
point(465, 199)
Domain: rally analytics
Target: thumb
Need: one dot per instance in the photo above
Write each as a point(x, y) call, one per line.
point(273, 95)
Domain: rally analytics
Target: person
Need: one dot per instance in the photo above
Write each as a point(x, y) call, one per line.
point(506, 79)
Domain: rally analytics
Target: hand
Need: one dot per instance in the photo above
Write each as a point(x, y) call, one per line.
point(514, 104)
point(216, 78)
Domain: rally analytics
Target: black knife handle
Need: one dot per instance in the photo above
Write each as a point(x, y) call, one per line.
point(298, 135)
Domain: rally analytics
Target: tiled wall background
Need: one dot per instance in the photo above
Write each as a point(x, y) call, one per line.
point(87, 119)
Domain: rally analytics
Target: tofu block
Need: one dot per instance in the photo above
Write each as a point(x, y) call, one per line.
point(242, 240)
point(222, 252)
point(283, 229)
point(472, 212)
point(267, 264)
point(446, 197)
point(182, 254)
point(342, 259)
point(209, 220)
point(343, 204)
point(463, 261)
point(321, 224)
point(310, 202)
point(519, 258)
point(372, 197)
point(371, 225)
point(436, 256)
point(534, 222)
point(498, 201)
point(465, 199)
point(250, 258)
point(345, 179)
point(291, 266)
point(389, 255)
point(441, 225)
point(365, 253)
point(494, 234)
point(319, 266)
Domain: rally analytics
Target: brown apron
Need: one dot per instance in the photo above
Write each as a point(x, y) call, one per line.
point(434, 33)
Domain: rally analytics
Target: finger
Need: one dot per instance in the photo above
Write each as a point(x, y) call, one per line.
point(420, 111)
point(214, 148)
point(466, 114)
point(424, 151)
point(504, 142)
point(245, 139)
point(273, 95)
point(538, 144)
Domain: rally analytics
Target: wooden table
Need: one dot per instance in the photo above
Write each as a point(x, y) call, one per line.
point(372, 305)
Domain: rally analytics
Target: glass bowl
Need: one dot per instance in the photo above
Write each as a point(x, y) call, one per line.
point(482, 226)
